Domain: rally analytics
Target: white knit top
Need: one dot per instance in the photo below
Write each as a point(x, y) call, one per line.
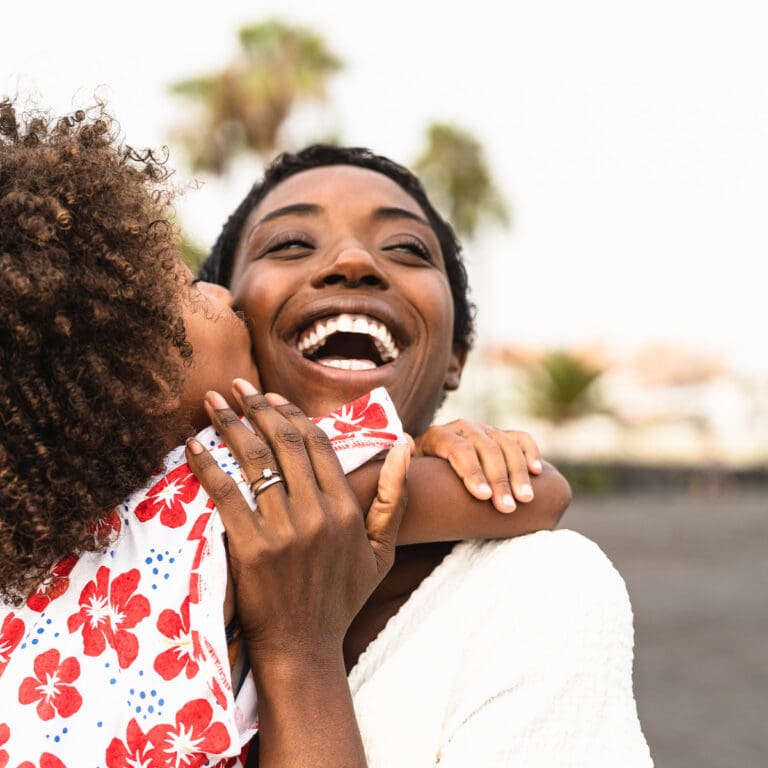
point(511, 653)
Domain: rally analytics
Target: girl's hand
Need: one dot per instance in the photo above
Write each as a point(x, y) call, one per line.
point(306, 559)
point(493, 463)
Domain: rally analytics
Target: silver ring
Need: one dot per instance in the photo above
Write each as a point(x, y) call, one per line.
point(268, 477)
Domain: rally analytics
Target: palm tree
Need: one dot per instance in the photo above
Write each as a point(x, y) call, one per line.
point(560, 387)
point(244, 106)
point(455, 171)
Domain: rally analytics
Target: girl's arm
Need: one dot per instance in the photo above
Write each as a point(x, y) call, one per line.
point(302, 563)
point(450, 498)
point(439, 508)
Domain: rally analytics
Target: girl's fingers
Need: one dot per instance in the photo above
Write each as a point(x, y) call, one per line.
point(462, 457)
point(477, 459)
point(500, 467)
point(515, 464)
point(531, 450)
point(493, 463)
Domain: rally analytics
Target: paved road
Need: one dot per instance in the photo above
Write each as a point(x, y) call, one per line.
point(696, 565)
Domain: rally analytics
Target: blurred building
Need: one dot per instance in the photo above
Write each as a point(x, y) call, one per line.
point(661, 405)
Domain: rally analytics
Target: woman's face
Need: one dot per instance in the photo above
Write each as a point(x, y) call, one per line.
point(221, 346)
point(343, 283)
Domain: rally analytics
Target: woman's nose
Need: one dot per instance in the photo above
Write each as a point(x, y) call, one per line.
point(352, 266)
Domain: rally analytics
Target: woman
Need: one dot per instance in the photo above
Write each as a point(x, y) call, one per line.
point(106, 345)
point(493, 653)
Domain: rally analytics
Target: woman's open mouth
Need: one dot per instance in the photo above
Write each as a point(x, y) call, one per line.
point(351, 342)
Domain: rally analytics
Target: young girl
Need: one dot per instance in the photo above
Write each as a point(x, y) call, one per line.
point(112, 639)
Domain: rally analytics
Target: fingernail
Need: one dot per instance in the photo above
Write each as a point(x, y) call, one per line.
point(276, 399)
point(485, 489)
point(525, 492)
point(536, 465)
point(244, 387)
point(216, 400)
point(194, 446)
point(508, 501)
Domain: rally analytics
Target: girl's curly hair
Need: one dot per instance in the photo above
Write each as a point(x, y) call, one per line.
point(89, 318)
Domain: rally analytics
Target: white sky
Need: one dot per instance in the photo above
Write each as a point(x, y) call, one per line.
point(630, 139)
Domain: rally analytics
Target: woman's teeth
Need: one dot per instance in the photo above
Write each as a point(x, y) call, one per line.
point(347, 364)
point(315, 336)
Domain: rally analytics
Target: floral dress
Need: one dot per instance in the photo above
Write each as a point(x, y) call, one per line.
point(119, 658)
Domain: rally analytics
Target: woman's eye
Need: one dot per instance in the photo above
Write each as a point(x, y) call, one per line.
point(288, 243)
point(414, 247)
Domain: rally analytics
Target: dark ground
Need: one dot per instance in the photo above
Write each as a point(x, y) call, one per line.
point(695, 559)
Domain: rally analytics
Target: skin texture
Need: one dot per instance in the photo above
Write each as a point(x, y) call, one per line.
point(220, 342)
point(358, 244)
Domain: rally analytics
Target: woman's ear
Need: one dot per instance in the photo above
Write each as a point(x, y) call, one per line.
point(456, 366)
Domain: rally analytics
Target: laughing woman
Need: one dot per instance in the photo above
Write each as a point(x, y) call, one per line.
point(496, 653)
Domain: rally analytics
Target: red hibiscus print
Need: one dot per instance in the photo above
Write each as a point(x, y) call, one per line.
point(218, 693)
point(187, 743)
point(107, 527)
point(360, 414)
point(132, 753)
point(54, 585)
point(169, 496)
point(181, 654)
point(10, 635)
point(47, 760)
point(107, 612)
point(231, 762)
point(51, 688)
point(5, 734)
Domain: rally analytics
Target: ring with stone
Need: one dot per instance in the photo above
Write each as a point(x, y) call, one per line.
point(264, 480)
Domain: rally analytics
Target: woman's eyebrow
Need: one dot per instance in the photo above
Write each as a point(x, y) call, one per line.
point(389, 213)
point(296, 209)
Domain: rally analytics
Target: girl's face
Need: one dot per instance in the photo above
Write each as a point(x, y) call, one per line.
point(221, 347)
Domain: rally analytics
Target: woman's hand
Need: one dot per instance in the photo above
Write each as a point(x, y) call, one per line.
point(306, 559)
point(493, 463)
point(303, 562)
